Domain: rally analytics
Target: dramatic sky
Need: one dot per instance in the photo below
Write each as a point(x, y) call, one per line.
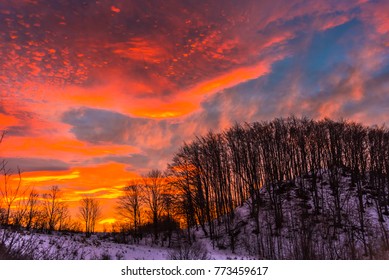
point(94, 93)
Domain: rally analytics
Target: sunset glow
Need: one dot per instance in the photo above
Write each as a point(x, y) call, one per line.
point(96, 93)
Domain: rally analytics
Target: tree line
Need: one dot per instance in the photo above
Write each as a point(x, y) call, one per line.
point(264, 163)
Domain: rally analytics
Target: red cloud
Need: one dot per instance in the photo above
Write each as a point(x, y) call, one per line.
point(115, 9)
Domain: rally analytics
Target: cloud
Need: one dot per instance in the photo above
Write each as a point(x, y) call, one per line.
point(84, 178)
point(329, 75)
point(174, 50)
point(36, 164)
point(53, 178)
point(143, 61)
point(2, 109)
point(18, 130)
point(156, 138)
point(102, 126)
point(135, 160)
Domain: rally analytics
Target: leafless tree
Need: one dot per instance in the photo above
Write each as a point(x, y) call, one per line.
point(90, 212)
point(53, 207)
point(153, 188)
point(10, 189)
point(32, 209)
point(129, 204)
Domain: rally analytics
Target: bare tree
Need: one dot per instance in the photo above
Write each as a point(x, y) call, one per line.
point(153, 183)
point(10, 189)
point(64, 222)
point(128, 206)
point(53, 206)
point(32, 209)
point(90, 211)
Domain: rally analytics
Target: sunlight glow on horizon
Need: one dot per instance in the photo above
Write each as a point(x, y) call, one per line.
point(73, 175)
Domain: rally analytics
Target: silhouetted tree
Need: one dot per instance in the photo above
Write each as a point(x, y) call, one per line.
point(90, 211)
point(53, 207)
point(128, 206)
point(153, 187)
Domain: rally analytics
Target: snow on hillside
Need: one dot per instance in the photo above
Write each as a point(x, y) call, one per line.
point(305, 234)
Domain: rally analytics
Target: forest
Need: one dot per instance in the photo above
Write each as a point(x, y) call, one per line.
point(290, 188)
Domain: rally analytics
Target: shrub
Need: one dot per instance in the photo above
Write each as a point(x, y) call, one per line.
point(186, 251)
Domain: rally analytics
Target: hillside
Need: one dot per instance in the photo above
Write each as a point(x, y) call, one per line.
point(344, 231)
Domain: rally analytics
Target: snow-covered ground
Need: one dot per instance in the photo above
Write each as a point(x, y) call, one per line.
point(99, 247)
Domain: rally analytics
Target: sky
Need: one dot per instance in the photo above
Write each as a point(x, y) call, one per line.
point(95, 93)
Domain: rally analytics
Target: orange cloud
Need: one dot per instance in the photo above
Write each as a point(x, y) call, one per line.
point(139, 49)
point(79, 182)
point(164, 110)
point(52, 178)
point(230, 79)
point(62, 148)
point(115, 9)
point(6, 121)
point(107, 221)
